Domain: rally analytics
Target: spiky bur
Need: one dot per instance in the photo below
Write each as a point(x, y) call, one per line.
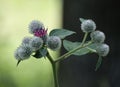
point(36, 43)
point(35, 25)
point(37, 28)
point(22, 52)
point(54, 43)
point(102, 49)
point(88, 25)
point(26, 40)
point(97, 36)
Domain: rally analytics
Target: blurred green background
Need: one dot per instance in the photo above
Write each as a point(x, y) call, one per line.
point(15, 15)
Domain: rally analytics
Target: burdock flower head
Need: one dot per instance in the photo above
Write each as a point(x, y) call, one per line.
point(54, 43)
point(102, 49)
point(23, 52)
point(37, 28)
point(88, 25)
point(97, 36)
point(36, 43)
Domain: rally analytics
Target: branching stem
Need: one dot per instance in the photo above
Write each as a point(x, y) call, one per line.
point(74, 50)
point(54, 61)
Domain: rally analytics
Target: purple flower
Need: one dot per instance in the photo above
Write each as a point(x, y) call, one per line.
point(40, 32)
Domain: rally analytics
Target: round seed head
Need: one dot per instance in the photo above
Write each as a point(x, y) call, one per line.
point(23, 52)
point(97, 36)
point(36, 43)
point(54, 43)
point(88, 25)
point(102, 49)
point(35, 25)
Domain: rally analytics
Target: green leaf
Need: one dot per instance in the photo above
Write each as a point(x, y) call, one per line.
point(98, 63)
point(68, 45)
point(62, 33)
point(81, 19)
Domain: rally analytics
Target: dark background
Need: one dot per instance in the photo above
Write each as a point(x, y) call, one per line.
point(79, 71)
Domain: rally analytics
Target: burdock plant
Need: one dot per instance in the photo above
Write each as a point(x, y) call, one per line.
point(41, 42)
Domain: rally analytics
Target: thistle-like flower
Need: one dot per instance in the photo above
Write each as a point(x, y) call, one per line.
point(36, 43)
point(40, 33)
point(97, 36)
point(88, 25)
point(35, 25)
point(23, 52)
point(102, 49)
point(54, 43)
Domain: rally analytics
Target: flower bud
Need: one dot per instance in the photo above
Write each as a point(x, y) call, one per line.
point(23, 52)
point(102, 49)
point(35, 25)
point(54, 43)
point(36, 43)
point(26, 40)
point(88, 26)
point(97, 36)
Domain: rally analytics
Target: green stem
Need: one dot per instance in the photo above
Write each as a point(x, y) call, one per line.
point(91, 50)
point(84, 39)
point(70, 52)
point(54, 70)
point(74, 50)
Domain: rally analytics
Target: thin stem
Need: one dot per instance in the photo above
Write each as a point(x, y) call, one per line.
point(74, 50)
point(98, 63)
point(54, 70)
point(55, 75)
point(85, 37)
point(70, 52)
point(91, 50)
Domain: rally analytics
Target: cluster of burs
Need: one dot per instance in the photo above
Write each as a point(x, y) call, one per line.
point(97, 37)
point(40, 41)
